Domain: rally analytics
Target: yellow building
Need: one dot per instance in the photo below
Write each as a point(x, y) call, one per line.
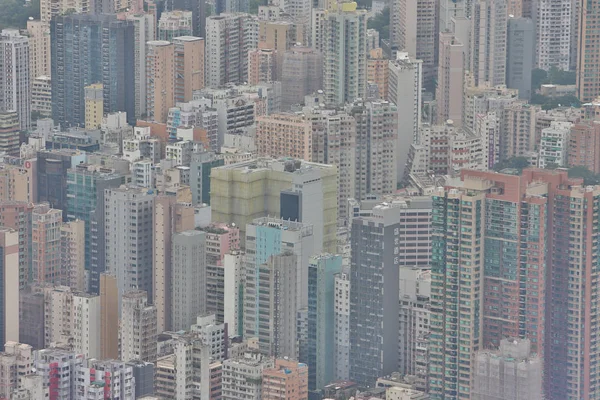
point(94, 106)
point(240, 193)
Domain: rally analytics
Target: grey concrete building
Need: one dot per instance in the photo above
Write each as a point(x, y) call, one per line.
point(511, 373)
point(519, 60)
point(188, 278)
point(374, 287)
point(128, 231)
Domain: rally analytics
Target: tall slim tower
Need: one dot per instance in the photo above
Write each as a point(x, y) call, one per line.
point(588, 48)
point(374, 288)
point(160, 79)
point(128, 235)
point(9, 287)
point(414, 29)
point(405, 91)
point(488, 42)
point(189, 67)
point(188, 293)
point(15, 86)
point(553, 24)
point(144, 31)
point(451, 71)
point(138, 328)
point(345, 54)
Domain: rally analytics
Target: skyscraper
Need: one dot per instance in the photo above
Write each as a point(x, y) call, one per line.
point(228, 39)
point(345, 54)
point(9, 286)
point(15, 79)
point(81, 46)
point(160, 79)
point(553, 24)
point(45, 245)
point(85, 190)
point(414, 29)
point(39, 48)
point(519, 48)
point(128, 234)
point(188, 279)
point(301, 75)
point(189, 67)
point(9, 133)
point(173, 24)
point(488, 42)
point(450, 80)
point(406, 77)
point(138, 328)
point(374, 288)
point(144, 31)
point(588, 77)
point(321, 330)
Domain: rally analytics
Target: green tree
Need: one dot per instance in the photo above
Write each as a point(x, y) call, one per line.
point(381, 23)
point(538, 78)
point(589, 178)
point(15, 13)
point(518, 163)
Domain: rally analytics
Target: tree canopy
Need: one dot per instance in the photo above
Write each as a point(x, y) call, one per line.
point(554, 76)
point(548, 102)
point(381, 23)
point(15, 13)
point(517, 163)
point(589, 177)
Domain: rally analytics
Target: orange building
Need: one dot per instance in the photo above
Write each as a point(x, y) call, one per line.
point(288, 380)
point(584, 146)
point(284, 135)
point(378, 71)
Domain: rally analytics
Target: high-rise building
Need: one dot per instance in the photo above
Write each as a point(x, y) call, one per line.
point(513, 372)
point(109, 317)
point(31, 318)
point(228, 40)
point(242, 376)
point(588, 78)
point(275, 184)
point(41, 96)
point(94, 105)
point(200, 166)
point(160, 79)
point(100, 40)
point(320, 359)
point(376, 140)
point(101, 379)
point(414, 29)
point(341, 324)
point(584, 146)
point(553, 24)
point(520, 44)
point(9, 288)
point(450, 80)
point(287, 378)
point(284, 135)
point(173, 24)
point(50, 9)
point(128, 234)
point(46, 246)
point(453, 9)
point(378, 72)
point(144, 31)
point(301, 75)
point(262, 66)
point(15, 363)
point(188, 278)
point(170, 217)
point(498, 305)
point(189, 66)
point(15, 82)
point(415, 294)
point(86, 315)
point(9, 133)
point(554, 144)
point(405, 77)
point(518, 132)
point(39, 48)
point(488, 42)
point(374, 288)
point(17, 215)
point(137, 328)
point(72, 254)
point(284, 272)
point(85, 201)
point(58, 369)
point(345, 54)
